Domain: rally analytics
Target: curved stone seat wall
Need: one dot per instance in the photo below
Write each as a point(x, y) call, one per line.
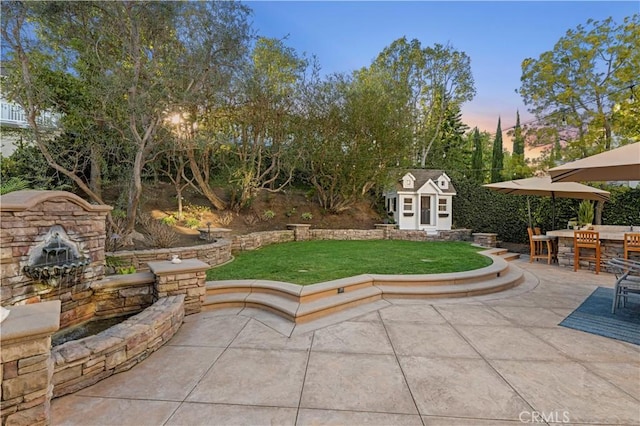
point(84, 362)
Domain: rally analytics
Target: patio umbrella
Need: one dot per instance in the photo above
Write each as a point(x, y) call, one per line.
point(542, 186)
point(618, 164)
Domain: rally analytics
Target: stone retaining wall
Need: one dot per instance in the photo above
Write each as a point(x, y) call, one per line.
point(81, 363)
point(256, 240)
point(212, 254)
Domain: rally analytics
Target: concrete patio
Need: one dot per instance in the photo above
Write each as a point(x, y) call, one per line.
point(497, 359)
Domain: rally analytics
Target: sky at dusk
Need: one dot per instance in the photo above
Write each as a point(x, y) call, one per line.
point(497, 36)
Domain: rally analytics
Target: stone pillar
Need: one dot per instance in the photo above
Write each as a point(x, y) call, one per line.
point(485, 239)
point(386, 229)
point(27, 367)
point(300, 231)
point(187, 277)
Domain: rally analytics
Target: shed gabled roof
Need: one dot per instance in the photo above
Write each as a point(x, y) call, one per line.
point(423, 176)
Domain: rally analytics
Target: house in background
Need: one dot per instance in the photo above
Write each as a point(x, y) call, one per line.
point(13, 122)
point(421, 200)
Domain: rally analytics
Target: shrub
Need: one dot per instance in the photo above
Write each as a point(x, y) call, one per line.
point(268, 215)
point(225, 218)
point(126, 270)
point(157, 234)
point(169, 220)
point(306, 216)
point(13, 184)
point(291, 212)
point(250, 219)
point(192, 223)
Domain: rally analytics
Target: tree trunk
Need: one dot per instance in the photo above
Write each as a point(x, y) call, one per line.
point(599, 208)
point(95, 182)
point(204, 187)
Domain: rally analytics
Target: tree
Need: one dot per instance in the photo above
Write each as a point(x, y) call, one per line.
point(515, 165)
point(477, 164)
point(579, 84)
point(518, 139)
point(260, 121)
point(497, 156)
point(354, 131)
point(135, 62)
point(428, 80)
point(450, 151)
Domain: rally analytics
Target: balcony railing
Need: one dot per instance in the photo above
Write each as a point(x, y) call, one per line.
point(13, 115)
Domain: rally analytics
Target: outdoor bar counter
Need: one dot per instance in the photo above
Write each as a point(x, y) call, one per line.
point(611, 245)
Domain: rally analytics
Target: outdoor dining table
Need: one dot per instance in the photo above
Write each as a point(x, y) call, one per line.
point(611, 244)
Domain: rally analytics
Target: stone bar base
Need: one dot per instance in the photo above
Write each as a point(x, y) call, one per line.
point(187, 277)
point(27, 368)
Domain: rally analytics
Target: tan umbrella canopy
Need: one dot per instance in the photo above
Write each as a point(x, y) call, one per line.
point(618, 164)
point(542, 186)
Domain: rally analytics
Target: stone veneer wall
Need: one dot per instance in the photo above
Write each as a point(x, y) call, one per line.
point(119, 295)
point(212, 254)
point(81, 363)
point(186, 278)
point(27, 367)
point(302, 232)
point(485, 239)
point(609, 251)
point(26, 217)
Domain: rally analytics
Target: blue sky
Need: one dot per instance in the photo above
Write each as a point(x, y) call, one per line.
point(497, 36)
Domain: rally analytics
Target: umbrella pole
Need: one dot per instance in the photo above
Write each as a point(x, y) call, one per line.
point(553, 211)
point(529, 211)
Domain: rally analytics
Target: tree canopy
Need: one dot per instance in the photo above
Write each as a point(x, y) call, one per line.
point(582, 86)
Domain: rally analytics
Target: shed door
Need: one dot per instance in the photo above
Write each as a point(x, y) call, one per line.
point(425, 210)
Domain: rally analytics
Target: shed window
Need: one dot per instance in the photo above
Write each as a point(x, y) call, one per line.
point(442, 205)
point(408, 205)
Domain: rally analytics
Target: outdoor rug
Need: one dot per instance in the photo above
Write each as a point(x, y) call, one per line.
point(594, 316)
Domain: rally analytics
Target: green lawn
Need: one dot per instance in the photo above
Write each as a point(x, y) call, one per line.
point(308, 262)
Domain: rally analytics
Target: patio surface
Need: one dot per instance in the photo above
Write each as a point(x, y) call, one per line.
point(499, 359)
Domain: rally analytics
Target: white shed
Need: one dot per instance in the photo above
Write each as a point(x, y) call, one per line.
point(421, 200)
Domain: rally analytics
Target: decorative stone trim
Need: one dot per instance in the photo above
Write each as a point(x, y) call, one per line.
point(84, 362)
point(187, 277)
point(27, 368)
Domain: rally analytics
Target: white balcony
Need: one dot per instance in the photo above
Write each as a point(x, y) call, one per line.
point(12, 115)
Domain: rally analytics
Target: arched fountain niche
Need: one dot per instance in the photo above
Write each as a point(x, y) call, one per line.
point(56, 261)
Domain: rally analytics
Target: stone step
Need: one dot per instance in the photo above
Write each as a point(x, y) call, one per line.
point(506, 280)
point(331, 304)
point(509, 256)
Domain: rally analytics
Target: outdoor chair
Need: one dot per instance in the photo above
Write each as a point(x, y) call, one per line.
point(627, 281)
point(631, 243)
point(541, 246)
point(586, 240)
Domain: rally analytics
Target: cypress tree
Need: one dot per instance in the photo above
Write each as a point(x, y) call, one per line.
point(518, 140)
point(476, 158)
point(498, 156)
